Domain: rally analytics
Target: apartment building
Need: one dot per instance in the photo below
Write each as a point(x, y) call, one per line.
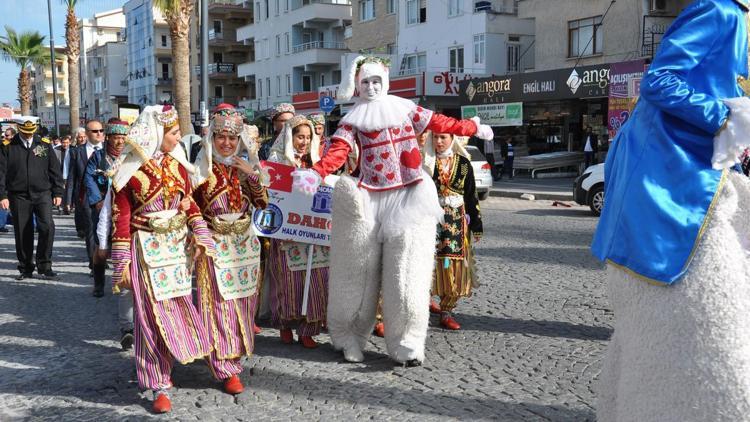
point(296, 46)
point(374, 27)
point(108, 82)
point(95, 33)
point(149, 54)
point(43, 92)
point(225, 53)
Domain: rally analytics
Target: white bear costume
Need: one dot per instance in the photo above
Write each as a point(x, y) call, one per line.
point(384, 218)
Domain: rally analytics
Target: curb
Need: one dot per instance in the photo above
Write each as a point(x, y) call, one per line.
point(543, 196)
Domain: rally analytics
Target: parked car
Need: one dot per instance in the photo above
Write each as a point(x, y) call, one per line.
point(588, 188)
point(482, 172)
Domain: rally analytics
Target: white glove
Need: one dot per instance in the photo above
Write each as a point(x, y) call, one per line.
point(306, 181)
point(732, 139)
point(483, 131)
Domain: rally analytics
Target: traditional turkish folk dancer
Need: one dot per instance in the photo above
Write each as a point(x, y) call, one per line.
point(227, 189)
point(297, 146)
point(455, 273)
point(149, 249)
point(674, 230)
point(384, 222)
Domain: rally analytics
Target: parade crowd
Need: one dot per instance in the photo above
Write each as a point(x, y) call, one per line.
point(175, 222)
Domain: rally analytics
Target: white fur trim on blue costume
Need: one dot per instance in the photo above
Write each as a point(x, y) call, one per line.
point(733, 138)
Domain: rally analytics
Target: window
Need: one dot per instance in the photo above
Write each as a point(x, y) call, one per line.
point(366, 10)
point(217, 26)
point(277, 9)
point(260, 88)
point(218, 91)
point(287, 41)
point(455, 7)
point(257, 12)
point(268, 87)
point(585, 37)
point(391, 49)
point(218, 57)
point(163, 40)
point(322, 79)
point(288, 84)
point(416, 11)
point(479, 47)
point(514, 55)
point(265, 3)
point(413, 63)
point(306, 83)
point(165, 70)
point(392, 6)
point(456, 57)
point(286, 5)
point(278, 44)
point(336, 77)
point(278, 85)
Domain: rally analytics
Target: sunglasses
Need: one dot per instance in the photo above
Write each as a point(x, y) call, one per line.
point(96, 130)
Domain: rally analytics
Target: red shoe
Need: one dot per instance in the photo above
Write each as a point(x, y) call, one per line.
point(233, 385)
point(162, 404)
point(449, 323)
point(379, 329)
point(286, 336)
point(434, 307)
point(257, 330)
point(308, 342)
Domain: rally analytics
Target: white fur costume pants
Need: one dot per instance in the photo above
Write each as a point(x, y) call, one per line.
point(682, 352)
point(362, 266)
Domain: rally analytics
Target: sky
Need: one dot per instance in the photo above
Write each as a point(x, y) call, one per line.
point(31, 15)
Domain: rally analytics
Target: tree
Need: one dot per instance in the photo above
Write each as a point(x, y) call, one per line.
point(73, 51)
point(25, 49)
point(177, 14)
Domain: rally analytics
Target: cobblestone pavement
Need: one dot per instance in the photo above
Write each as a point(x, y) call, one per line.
point(531, 346)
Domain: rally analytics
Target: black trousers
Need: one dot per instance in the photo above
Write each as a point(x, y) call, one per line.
point(39, 204)
point(99, 267)
point(588, 159)
point(493, 167)
point(89, 232)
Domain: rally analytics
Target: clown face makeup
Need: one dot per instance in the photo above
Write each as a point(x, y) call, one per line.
point(370, 88)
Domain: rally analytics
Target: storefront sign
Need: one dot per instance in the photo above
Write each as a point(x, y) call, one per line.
point(560, 84)
point(624, 88)
point(445, 84)
point(510, 114)
point(292, 215)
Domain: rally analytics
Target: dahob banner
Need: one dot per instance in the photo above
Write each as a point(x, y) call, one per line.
point(292, 215)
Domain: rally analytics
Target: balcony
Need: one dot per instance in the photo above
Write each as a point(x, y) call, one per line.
point(313, 14)
point(319, 45)
point(218, 70)
point(235, 8)
point(214, 101)
point(164, 81)
point(654, 28)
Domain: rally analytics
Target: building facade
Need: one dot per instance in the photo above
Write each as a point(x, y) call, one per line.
point(297, 46)
point(95, 32)
point(225, 53)
point(43, 92)
point(149, 54)
point(374, 27)
point(107, 76)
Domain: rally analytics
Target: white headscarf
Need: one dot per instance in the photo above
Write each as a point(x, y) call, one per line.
point(282, 150)
point(430, 157)
point(144, 141)
point(248, 141)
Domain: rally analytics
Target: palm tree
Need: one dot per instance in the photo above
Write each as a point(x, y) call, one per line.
point(73, 51)
point(177, 14)
point(24, 49)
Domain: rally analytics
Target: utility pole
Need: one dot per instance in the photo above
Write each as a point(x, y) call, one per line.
point(54, 69)
point(204, 63)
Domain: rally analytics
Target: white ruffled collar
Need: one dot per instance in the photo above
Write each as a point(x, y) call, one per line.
point(384, 112)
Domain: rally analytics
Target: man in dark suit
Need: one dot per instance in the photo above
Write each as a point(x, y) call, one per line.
point(62, 152)
point(80, 141)
point(30, 185)
point(590, 144)
point(75, 189)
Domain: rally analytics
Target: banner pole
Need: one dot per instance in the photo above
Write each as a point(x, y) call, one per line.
point(307, 279)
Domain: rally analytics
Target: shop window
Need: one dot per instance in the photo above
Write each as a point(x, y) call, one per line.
point(585, 37)
point(456, 57)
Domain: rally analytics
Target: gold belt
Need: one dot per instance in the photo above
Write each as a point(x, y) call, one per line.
point(238, 226)
point(166, 225)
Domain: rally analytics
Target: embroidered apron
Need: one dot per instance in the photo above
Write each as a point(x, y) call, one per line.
point(237, 261)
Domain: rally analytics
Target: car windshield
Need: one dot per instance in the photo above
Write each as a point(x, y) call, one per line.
point(475, 154)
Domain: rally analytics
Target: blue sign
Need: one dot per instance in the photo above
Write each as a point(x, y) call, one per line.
point(327, 103)
point(268, 220)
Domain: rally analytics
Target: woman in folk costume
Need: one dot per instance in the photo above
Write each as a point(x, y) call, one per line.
point(384, 222)
point(674, 230)
point(450, 165)
point(149, 249)
point(227, 190)
point(297, 146)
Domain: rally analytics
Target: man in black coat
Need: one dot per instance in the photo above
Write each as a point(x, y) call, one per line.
point(30, 185)
point(75, 190)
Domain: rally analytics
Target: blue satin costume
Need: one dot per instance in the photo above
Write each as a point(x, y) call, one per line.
point(659, 184)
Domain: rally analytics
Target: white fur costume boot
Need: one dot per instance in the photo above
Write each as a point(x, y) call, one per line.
point(354, 281)
point(682, 352)
point(408, 264)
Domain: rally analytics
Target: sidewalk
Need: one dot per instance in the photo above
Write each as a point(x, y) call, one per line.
point(550, 189)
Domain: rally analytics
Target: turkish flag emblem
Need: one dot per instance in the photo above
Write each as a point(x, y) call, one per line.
point(280, 175)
